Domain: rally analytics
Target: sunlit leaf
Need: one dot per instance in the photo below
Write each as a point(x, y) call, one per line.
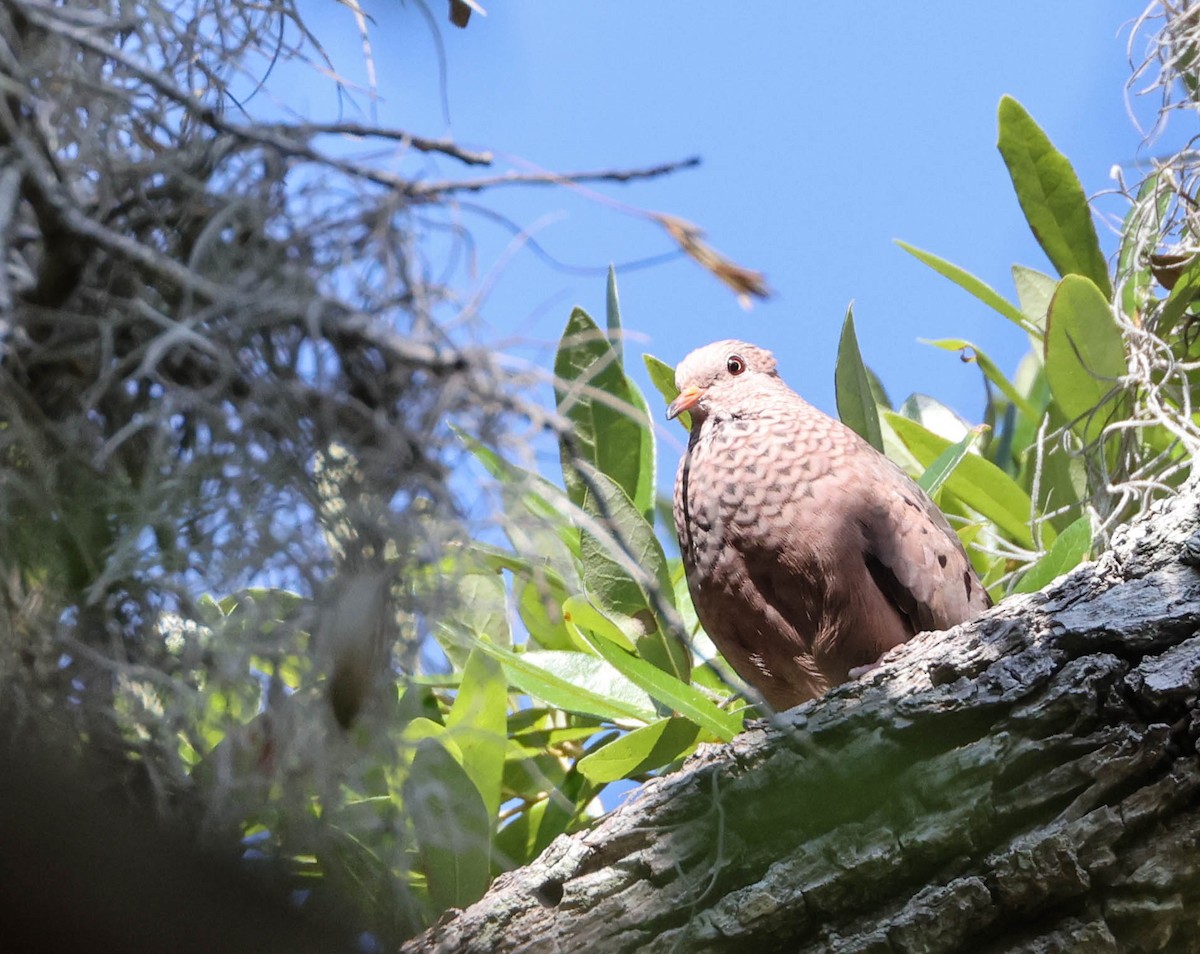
point(1051, 197)
point(969, 283)
point(612, 314)
point(945, 463)
point(482, 606)
point(979, 483)
point(452, 826)
point(478, 723)
point(855, 399)
point(1068, 551)
point(608, 421)
point(662, 376)
point(620, 568)
point(1034, 291)
point(539, 599)
point(641, 750)
point(577, 682)
point(1085, 353)
point(935, 416)
point(682, 698)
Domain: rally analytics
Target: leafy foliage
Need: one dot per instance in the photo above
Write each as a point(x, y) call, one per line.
point(423, 707)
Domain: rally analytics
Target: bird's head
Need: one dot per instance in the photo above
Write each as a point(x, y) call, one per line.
point(717, 374)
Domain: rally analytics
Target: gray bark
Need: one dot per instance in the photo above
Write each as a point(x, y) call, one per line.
point(1026, 782)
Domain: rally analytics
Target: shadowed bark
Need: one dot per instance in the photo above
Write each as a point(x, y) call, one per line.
point(1026, 782)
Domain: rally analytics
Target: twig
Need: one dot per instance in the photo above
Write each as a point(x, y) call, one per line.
point(420, 143)
point(425, 190)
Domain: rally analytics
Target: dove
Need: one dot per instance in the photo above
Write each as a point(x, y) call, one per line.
point(808, 553)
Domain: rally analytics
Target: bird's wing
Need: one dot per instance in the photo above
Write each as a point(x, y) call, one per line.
point(916, 559)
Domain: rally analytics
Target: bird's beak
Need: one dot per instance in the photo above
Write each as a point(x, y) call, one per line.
point(688, 399)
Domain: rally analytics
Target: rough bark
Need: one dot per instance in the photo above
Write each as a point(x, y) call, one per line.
point(1026, 782)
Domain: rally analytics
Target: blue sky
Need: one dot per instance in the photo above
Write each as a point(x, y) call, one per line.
point(825, 132)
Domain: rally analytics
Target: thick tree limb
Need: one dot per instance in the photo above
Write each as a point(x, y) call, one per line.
point(1026, 782)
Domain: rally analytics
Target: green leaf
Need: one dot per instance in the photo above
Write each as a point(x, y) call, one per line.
point(972, 354)
point(650, 747)
point(579, 612)
point(977, 482)
point(537, 514)
point(1069, 550)
point(478, 723)
point(539, 600)
point(528, 835)
point(647, 452)
point(1034, 291)
point(1085, 353)
point(620, 567)
point(577, 682)
point(612, 314)
point(662, 686)
point(969, 283)
point(855, 400)
point(452, 826)
point(934, 416)
point(483, 606)
point(662, 376)
point(609, 417)
point(1051, 197)
point(945, 463)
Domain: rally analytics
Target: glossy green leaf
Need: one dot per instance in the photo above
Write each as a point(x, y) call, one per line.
point(945, 463)
point(972, 354)
point(1085, 353)
point(662, 376)
point(979, 483)
point(577, 682)
point(647, 451)
point(1034, 291)
point(619, 569)
point(579, 612)
point(1069, 550)
point(609, 420)
point(855, 400)
point(682, 698)
point(650, 747)
point(935, 416)
point(539, 599)
point(483, 606)
point(612, 314)
point(1051, 197)
point(969, 283)
point(452, 827)
point(478, 723)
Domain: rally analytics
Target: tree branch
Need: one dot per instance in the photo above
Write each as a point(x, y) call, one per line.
point(1029, 781)
point(425, 190)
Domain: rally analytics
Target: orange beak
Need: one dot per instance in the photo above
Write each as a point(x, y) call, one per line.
point(688, 399)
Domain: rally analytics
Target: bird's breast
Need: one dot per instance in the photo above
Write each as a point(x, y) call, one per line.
point(742, 482)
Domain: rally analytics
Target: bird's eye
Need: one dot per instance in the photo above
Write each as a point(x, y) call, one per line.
point(735, 364)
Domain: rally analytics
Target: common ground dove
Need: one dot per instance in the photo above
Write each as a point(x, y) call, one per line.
point(808, 553)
